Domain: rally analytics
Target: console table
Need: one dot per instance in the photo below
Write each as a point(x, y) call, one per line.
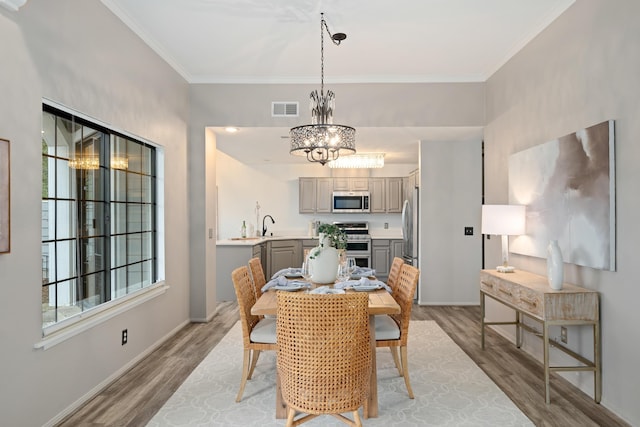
point(530, 295)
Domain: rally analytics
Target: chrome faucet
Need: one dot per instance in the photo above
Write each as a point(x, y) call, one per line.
point(264, 227)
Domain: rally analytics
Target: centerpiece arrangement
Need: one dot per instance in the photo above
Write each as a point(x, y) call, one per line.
point(324, 259)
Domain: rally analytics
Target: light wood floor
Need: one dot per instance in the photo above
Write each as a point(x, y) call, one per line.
point(134, 398)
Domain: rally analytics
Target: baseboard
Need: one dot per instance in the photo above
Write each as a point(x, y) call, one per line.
point(109, 380)
point(441, 303)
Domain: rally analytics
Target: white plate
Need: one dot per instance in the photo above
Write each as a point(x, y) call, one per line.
point(290, 288)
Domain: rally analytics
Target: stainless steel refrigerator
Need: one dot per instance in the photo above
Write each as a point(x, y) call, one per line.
point(410, 244)
point(410, 227)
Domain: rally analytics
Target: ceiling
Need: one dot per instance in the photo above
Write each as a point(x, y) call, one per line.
point(255, 41)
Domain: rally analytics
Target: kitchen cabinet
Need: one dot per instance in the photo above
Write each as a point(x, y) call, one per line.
point(314, 195)
point(380, 251)
point(395, 196)
point(283, 254)
point(386, 195)
point(324, 195)
point(409, 183)
point(307, 195)
point(395, 246)
point(260, 251)
point(350, 184)
point(378, 198)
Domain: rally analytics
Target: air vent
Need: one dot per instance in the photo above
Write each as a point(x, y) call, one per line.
point(284, 109)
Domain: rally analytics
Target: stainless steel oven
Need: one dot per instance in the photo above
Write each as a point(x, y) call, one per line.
point(358, 242)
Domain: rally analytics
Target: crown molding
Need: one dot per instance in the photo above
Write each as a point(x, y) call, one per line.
point(12, 5)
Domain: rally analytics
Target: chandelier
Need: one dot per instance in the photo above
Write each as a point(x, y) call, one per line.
point(323, 141)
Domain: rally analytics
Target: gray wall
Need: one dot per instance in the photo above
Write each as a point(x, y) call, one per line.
point(75, 52)
point(583, 69)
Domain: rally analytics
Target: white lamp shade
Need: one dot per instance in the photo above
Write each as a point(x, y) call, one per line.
point(503, 219)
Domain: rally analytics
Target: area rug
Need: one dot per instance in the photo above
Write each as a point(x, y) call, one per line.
point(450, 389)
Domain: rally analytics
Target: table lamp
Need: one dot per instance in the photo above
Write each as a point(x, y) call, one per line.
point(504, 220)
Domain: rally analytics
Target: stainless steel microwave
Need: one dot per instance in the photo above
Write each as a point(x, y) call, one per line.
point(350, 201)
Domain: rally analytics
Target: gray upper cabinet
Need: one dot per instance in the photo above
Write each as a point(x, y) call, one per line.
point(324, 192)
point(307, 195)
point(314, 195)
point(386, 195)
point(350, 184)
point(378, 198)
point(394, 195)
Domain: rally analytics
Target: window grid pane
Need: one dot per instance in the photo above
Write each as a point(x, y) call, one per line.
point(98, 234)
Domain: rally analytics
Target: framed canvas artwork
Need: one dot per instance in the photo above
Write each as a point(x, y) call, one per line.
point(568, 187)
point(5, 240)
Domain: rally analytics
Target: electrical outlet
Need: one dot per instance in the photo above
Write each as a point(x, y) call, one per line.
point(468, 231)
point(386, 225)
point(125, 336)
point(563, 334)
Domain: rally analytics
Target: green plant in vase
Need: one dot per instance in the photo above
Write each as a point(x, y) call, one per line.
point(331, 234)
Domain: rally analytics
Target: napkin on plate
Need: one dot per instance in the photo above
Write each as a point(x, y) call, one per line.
point(363, 271)
point(282, 281)
point(290, 271)
point(361, 282)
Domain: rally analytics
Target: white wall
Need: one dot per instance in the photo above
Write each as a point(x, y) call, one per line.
point(580, 71)
point(78, 54)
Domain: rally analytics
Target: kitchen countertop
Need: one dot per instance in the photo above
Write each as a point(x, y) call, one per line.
point(237, 241)
point(250, 241)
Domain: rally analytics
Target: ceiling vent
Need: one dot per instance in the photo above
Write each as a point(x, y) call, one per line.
point(284, 109)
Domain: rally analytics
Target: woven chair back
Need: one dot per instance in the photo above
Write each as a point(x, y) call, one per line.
point(246, 299)
point(324, 353)
point(396, 265)
point(257, 273)
point(403, 293)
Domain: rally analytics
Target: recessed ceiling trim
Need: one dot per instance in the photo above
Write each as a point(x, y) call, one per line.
point(476, 78)
point(12, 5)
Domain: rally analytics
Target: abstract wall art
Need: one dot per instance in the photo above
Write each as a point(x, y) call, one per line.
point(568, 186)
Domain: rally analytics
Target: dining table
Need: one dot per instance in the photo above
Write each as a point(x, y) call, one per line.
point(380, 302)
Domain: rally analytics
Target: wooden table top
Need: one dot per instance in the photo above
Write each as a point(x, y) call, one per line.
point(380, 302)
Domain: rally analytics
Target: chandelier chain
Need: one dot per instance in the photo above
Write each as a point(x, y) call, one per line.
point(323, 141)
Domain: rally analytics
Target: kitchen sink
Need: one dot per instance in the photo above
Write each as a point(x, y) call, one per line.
point(245, 238)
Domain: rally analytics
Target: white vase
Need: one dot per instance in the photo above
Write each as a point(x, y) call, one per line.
point(324, 261)
point(555, 266)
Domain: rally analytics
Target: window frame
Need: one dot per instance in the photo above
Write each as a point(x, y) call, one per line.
point(61, 330)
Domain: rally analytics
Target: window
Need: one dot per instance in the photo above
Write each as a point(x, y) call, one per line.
point(98, 215)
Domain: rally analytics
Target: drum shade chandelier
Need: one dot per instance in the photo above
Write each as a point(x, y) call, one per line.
point(323, 141)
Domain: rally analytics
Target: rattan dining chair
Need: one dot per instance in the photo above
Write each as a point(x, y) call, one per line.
point(257, 333)
point(394, 272)
point(392, 330)
point(324, 354)
point(257, 275)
